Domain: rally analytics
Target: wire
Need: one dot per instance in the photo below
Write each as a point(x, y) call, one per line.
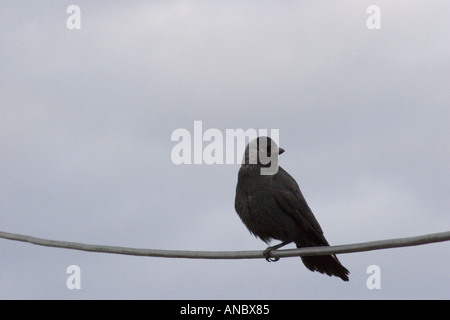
point(349, 248)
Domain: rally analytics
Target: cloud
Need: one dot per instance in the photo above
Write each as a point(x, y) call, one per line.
point(87, 117)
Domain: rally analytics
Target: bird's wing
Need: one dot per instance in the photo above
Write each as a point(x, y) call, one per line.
point(289, 197)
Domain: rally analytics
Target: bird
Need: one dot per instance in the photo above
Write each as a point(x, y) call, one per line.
point(272, 207)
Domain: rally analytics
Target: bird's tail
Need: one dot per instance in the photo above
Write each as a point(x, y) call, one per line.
point(329, 265)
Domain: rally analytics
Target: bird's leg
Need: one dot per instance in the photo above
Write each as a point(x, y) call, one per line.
point(266, 252)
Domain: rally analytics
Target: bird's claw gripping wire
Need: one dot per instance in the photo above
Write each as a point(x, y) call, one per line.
point(267, 255)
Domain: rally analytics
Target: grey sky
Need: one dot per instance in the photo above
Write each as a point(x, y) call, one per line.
point(86, 118)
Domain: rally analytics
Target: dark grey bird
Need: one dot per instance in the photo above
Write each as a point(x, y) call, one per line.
point(272, 207)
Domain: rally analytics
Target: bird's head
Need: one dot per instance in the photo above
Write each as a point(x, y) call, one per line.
point(264, 152)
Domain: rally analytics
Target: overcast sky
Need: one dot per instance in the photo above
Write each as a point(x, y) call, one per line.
point(86, 118)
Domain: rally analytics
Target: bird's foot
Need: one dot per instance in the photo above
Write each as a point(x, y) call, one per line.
point(267, 252)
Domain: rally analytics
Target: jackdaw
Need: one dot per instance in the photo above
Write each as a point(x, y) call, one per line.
point(272, 206)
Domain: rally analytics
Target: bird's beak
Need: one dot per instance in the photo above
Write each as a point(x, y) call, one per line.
point(280, 150)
